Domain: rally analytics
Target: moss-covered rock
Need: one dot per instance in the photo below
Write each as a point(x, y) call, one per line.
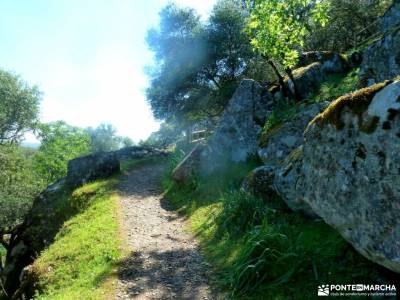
point(356, 103)
point(349, 176)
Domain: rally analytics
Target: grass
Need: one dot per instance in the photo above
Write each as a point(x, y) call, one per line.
point(80, 263)
point(258, 248)
point(335, 86)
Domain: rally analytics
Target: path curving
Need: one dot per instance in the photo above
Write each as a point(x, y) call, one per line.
point(164, 261)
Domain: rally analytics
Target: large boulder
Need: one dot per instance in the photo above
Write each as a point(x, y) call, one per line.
point(348, 171)
point(381, 60)
point(391, 18)
point(92, 167)
point(276, 144)
point(37, 232)
point(236, 136)
point(331, 62)
point(307, 79)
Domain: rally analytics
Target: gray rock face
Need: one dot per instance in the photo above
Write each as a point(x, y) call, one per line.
point(276, 146)
point(391, 18)
point(307, 79)
point(236, 136)
point(348, 171)
point(381, 60)
point(331, 62)
point(91, 167)
point(32, 236)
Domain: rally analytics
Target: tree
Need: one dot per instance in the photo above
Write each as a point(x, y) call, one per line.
point(104, 138)
point(19, 107)
point(179, 50)
point(350, 22)
point(199, 63)
point(126, 142)
point(60, 143)
point(278, 28)
point(19, 185)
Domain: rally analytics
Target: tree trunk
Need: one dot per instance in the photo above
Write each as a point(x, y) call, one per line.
point(280, 78)
point(296, 95)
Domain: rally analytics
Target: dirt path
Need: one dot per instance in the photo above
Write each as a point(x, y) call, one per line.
point(164, 262)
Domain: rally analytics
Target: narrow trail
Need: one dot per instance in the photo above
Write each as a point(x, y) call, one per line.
point(164, 261)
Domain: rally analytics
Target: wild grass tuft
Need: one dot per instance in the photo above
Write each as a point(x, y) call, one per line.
point(336, 85)
point(258, 249)
point(240, 211)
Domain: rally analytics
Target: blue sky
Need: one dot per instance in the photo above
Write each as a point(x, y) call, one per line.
point(86, 56)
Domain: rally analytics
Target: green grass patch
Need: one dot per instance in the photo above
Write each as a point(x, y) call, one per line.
point(335, 86)
point(80, 263)
point(258, 248)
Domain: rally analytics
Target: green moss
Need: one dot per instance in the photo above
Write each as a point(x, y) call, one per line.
point(295, 155)
point(356, 102)
point(267, 133)
point(301, 71)
point(283, 111)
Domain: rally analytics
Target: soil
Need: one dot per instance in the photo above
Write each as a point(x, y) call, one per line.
point(164, 260)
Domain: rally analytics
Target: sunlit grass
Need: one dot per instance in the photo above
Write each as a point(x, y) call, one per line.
point(259, 249)
point(80, 264)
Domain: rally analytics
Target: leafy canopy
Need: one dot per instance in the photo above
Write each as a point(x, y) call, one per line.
point(278, 28)
point(19, 107)
point(19, 184)
point(104, 138)
point(198, 63)
point(60, 143)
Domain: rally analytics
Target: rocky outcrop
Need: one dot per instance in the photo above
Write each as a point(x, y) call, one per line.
point(347, 171)
point(313, 67)
point(381, 60)
point(236, 136)
point(36, 233)
point(331, 62)
point(391, 18)
point(92, 167)
point(276, 144)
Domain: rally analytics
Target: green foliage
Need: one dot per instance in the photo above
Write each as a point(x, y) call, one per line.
point(282, 112)
point(199, 63)
point(336, 85)
point(278, 28)
point(81, 261)
point(19, 107)
point(259, 249)
point(350, 23)
point(60, 143)
point(19, 185)
point(104, 138)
